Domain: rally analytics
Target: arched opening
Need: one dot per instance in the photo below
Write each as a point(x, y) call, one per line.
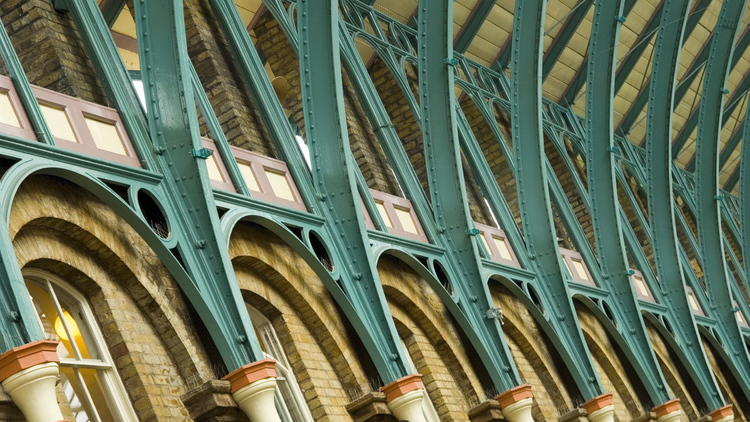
point(153, 213)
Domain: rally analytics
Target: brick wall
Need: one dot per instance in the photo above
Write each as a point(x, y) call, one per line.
point(50, 48)
point(144, 319)
point(226, 90)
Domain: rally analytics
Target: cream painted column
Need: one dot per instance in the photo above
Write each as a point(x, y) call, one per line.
point(723, 414)
point(670, 411)
point(405, 397)
point(600, 409)
point(29, 374)
point(253, 387)
point(516, 403)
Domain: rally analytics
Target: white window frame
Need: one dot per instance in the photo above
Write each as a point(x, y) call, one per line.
point(111, 383)
point(293, 402)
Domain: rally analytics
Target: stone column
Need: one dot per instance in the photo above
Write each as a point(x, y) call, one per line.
point(516, 403)
point(600, 408)
point(253, 387)
point(670, 411)
point(404, 397)
point(28, 374)
point(722, 414)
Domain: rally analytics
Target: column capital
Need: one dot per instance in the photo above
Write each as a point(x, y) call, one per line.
point(722, 414)
point(668, 411)
point(516, 403)
point(23, 357)
point(514, 395)
point(402, 386)
point(250, 373)
point(600, 408)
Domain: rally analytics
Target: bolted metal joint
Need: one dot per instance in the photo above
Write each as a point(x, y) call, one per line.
point(202, 153)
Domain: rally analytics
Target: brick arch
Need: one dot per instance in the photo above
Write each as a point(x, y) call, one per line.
point(281, 284)
point(613, 371)
point(537, 361)
point(433, 342)
point(731, 391)
point(80, 239)
point(677, 379)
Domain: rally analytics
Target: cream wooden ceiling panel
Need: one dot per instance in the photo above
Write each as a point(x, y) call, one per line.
point(124, 23)
point(401, 10)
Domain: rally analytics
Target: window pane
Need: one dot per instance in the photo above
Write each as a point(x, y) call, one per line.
point(74, 406)
point(580, 269)
point(79, 330)
point(100, 399)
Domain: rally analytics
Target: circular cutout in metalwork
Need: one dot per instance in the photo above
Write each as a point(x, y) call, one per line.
point(320, 251)
point(153, 213)
point(443, 277)
point(534, 296)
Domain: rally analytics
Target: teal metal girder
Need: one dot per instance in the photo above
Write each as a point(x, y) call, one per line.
point(446, 180)
point(322, 98)
point(173, 126)
point(472, 25)
point(600, 163)
point(532, 186)
point(744, 168)
point(730, 147)
point(660, 198)
point(21, 83)
point(708, 194)
point(560, 42)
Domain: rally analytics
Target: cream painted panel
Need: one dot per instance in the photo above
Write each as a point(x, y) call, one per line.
point(249, 177)
point(58, 122)
point(213, 169)
point(406, 220)
point(106, 136)
point(383, 214)
point(8, 114)
point(280, 185)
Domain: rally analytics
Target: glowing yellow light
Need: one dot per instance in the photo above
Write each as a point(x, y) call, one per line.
point(72, 326)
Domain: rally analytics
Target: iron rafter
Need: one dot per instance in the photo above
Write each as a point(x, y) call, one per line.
point(534, 197)
point(708, 194)
point(660, 199)
point(600, 165)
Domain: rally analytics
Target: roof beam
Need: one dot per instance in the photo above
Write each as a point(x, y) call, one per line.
point(687, 129)
point(569, 28)
point(472, 25)
point(580, 79)
point(661, 199)
point(601, 163)
point(335, 181)
point(447, 189)
point(708, 197)
point(533, 194)
point(632, 56)
point(635, 108)
point(743, 168)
